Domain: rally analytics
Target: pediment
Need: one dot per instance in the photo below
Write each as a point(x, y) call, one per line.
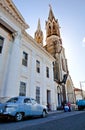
point(9, 6)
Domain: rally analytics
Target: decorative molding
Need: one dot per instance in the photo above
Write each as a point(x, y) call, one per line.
point(14, 35)
point(9, 6)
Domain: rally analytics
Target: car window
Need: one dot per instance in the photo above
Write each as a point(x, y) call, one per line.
point(27, 100)
point(33, 101)
point(13, 100)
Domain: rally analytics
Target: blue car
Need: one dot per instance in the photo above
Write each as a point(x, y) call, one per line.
point(20, 107)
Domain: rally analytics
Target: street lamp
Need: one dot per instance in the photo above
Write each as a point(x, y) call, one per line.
point(81, 88)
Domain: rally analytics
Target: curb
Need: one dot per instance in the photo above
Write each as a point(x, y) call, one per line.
point(56, 111)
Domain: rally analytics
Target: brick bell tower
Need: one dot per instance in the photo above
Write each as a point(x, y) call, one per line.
point(54, 47)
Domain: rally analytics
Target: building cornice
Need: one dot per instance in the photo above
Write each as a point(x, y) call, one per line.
point(34, 43)
point(9, 6)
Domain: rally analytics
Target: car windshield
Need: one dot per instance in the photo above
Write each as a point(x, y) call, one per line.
point(13, 100)
point(3, 100)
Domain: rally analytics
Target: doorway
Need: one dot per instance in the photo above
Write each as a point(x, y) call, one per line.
point(49, 100)
point(59, 96)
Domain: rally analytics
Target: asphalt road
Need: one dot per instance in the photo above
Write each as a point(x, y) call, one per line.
point(60, 121)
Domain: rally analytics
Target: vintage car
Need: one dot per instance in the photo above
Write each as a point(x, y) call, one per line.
point(20, 107)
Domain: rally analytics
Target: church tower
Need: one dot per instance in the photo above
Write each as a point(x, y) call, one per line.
point(39, 34)
point(54, 42)
point(55, 48)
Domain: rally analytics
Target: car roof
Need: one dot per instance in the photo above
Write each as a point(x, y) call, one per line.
point(22, 97)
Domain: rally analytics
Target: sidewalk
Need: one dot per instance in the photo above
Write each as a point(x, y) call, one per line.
point(55, 111)
point(73, 108)
point(59, 111)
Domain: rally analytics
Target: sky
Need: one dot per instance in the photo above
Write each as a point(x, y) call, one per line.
point(71, 17)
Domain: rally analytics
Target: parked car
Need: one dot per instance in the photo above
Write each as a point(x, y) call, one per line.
point(81, 104)
point(20, 107)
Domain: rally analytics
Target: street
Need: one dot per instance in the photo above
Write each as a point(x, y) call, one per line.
point(55, 121)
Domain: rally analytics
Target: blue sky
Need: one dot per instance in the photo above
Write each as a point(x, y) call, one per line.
point(71, 17)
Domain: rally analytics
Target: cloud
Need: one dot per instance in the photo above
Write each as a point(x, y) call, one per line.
point(83, 42)
point(84, 39)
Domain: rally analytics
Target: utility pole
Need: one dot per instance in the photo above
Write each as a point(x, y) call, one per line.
point(81, 88)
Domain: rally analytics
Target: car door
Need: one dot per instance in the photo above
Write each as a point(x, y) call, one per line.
point(36, 109)
point(28, 107)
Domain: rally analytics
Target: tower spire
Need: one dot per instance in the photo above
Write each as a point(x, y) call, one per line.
point(51, 15)
point(52, 25)
point(39, 26)
point(39, 34)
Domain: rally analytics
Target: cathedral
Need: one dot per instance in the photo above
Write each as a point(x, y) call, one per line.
point(27, 66)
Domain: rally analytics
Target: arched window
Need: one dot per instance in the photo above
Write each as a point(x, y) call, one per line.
point(48, 30)
point(54, 29)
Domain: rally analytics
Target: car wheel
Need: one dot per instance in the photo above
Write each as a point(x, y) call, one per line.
point(19, 116)
point(44, 113)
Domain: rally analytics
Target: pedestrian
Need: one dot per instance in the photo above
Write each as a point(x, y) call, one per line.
point(69, 105)
point(66, 108)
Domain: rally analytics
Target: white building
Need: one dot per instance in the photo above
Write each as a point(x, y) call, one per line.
point(28, 68)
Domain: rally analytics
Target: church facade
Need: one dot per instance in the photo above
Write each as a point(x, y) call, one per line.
point(27, 68)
